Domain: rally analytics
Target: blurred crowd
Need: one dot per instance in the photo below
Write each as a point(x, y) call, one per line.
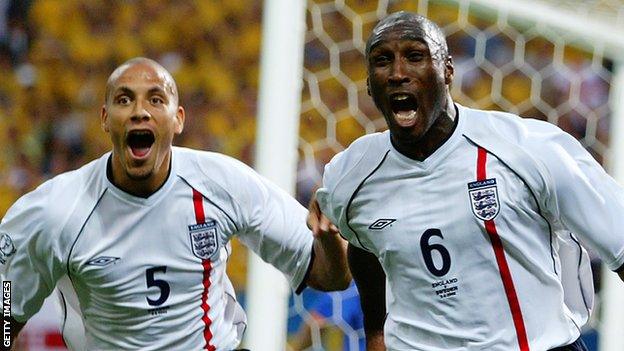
point(55, 57)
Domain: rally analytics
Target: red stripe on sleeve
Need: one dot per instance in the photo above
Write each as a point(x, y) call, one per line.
point(481, 158)
point(198, 204)
point(501, 261)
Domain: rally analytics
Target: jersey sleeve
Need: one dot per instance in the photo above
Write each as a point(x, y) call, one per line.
point(581, 196)
point(331, 177)
point(342, 175)
point(273, 225)
point(27, 257)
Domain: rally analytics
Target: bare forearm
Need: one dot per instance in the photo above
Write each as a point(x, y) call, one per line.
point(375, 341)
point(371, 283)
point(329, 269)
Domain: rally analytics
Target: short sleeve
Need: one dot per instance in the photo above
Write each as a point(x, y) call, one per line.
point(583, 198)
point(343, 175)
point(331, 176)
point(274, 225)
point(27, 257)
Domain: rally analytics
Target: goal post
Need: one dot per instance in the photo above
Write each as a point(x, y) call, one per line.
point(612, 294)
point(279, 98)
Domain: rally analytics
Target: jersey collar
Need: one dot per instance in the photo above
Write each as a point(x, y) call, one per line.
point(440, 154)
point(155, 197)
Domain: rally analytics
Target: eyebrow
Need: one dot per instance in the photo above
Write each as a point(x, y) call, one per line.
point(122, 90)
point(404, 37)
point(157, 90)
point(127, 91)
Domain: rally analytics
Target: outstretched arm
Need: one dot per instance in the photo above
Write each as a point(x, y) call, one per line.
point(329, 268)
point(371, 283)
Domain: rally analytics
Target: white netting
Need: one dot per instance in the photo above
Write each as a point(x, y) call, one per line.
point(501, 62)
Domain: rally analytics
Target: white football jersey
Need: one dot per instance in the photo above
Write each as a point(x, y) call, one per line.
point(474, 238)
point(149, 273)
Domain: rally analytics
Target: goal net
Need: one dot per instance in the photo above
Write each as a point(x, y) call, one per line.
point(550, 60)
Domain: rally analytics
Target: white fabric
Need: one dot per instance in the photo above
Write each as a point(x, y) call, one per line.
point(120, 251)
point(547, 187)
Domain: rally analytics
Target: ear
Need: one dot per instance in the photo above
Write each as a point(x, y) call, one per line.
point(368, 89)
point(104, 119)
point(179, 122)
point(449, 70)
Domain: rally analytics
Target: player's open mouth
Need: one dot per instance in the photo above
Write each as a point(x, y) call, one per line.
point(140, 142)
point(404, 107)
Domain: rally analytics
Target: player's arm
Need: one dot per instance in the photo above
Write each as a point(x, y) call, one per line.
point(273, 225)
point(371, 283)
point(329, 268)
point(29, 264)
point(583, 197)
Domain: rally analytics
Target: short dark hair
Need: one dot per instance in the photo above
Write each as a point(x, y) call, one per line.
point(431, 32)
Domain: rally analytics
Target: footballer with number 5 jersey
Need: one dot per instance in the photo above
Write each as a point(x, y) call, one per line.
point(464, 225)
point(137, 241)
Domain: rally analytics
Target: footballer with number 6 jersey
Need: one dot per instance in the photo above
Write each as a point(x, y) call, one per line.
point(464, 225)
point(137, 241)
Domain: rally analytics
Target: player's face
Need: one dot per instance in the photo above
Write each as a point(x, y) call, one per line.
point(408, 78)
point(142, 116)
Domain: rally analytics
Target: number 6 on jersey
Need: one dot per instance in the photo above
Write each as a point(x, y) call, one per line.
point(427, 250)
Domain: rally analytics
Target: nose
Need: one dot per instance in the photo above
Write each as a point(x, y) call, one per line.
point(140, 113)
point(398, 75)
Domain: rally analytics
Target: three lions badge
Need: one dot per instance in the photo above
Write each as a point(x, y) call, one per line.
point(484, 199)
point(204, 240)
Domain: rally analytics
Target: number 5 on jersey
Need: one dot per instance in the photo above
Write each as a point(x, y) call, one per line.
point(161, 284)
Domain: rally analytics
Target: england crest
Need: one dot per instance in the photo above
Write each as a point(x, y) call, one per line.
point(484, 199)
point(204, 239)
point(7, 248)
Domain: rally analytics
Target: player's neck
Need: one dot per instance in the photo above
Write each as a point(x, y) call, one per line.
point(141, 187)
point(436, 136)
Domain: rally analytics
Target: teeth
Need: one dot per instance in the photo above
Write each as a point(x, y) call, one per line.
point(405, 116)
point(401, 97)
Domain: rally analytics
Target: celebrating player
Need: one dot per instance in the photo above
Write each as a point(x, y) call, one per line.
point(470, 216)
point(139, 238)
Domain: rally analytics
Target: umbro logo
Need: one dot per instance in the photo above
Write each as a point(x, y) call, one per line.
point(102, 261)
point(381, 223)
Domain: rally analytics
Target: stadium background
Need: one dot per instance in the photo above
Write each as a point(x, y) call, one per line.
point(55, 56)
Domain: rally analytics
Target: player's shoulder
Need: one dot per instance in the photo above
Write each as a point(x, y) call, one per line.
point(485, 124)
point(209, 165)
point(360, 153)
point(223, 178)
point(533, 148)
point(52, 202)
point(366, 143)
point(75, 180)
point(348, 168)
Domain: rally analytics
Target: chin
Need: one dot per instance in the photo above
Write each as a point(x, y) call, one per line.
point(139, 174)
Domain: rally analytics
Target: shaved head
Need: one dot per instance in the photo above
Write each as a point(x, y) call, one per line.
point(170, 84)
point(413, 27)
